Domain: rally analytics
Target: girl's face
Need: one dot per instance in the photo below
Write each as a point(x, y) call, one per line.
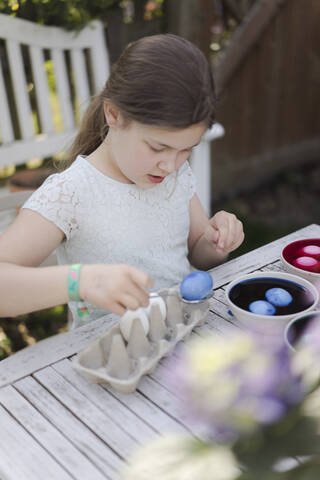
point(145, 155)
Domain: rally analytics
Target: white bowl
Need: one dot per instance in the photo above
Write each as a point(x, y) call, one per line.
point(297, 326)
point(288, 253)
point(272, 324)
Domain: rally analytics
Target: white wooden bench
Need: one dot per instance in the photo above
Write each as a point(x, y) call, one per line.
point(79, 68)
point(41, 43)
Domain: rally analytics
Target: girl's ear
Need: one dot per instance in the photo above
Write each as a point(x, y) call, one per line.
point(112, 114)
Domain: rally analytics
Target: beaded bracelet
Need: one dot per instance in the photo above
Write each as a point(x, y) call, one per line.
point(73, 288)
point(73, 282)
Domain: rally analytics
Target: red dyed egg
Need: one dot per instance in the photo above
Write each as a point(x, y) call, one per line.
point(307, 263)
point(310, 251)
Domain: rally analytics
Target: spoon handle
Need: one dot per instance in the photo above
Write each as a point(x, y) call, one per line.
point(177, 295)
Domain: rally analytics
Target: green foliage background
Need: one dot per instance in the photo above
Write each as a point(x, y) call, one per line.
point(69, 14)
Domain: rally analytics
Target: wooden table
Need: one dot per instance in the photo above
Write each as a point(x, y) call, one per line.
point(56, 425)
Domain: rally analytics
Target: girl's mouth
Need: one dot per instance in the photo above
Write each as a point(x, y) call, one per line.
point(155, 178)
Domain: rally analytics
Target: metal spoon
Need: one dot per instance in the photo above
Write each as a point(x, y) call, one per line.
point(197, 287)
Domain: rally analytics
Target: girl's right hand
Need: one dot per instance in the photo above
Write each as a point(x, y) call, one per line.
point(115, 287)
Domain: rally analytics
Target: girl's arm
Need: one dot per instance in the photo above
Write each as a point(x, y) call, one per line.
point(211, 240)
point(24, 288)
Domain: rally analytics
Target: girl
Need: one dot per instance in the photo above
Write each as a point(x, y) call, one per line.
point(124, 215)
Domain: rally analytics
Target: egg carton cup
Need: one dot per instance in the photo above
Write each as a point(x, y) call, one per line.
point(113, 360)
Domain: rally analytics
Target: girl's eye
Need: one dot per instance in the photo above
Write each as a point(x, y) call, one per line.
point(156, 149)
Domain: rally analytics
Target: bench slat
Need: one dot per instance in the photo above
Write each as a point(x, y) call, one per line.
point(45, 36)
point(63, 88)
point(20, 89)
point(100, 68)
point(6, 130)
point(80, 79)
point(44, 145)
point(42, 90)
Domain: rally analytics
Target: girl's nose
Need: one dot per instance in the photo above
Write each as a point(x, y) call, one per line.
point(169, 164)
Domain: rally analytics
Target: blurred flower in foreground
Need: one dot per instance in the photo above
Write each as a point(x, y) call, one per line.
point(255, 406)
point(306, 361)
point(232, 386)
point(178, 457)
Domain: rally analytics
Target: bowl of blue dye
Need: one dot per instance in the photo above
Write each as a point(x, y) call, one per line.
point(299, 329)
point(267, 301)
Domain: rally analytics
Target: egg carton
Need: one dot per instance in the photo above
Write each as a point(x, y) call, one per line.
point(112, 359)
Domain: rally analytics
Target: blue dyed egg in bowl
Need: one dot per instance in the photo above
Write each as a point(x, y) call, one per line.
point(292, 251)
point(242, 292)
point(296, 332)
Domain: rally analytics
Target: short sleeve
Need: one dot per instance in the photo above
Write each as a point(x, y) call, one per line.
point(187, 180)
point(57, 201)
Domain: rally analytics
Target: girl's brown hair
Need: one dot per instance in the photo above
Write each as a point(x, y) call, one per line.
point(161, 80)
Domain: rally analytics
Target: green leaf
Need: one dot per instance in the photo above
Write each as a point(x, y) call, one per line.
point(310, 470)
point(295, 435)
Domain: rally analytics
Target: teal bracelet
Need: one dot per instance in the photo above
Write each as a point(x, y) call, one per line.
point(73, 282)
point(73, 288)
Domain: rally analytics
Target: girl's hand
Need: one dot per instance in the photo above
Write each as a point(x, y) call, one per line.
point(226, 231)
point(115, 287)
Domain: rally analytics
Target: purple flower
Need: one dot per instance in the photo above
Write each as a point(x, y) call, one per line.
point(306, 361)
point(232, 386)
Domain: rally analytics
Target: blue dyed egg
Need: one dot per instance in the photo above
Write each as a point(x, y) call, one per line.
point(279, 297)
point(261, 307)
point(196, 286)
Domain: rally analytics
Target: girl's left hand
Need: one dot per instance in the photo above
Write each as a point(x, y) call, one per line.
point(225, 230)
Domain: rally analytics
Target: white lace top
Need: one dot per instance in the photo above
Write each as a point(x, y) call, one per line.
point(106, 221)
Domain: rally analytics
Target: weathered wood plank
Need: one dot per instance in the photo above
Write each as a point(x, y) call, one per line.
point(274, 267)
point(53, 441)
point(84, 439)
point(162, 373)
point(22, 457)
point(101, 69)
point(80, 79)
point(207, 330)
point(159, 383)
point(45, 36)
point(101, 420)
point(19, 82)
point(50, 350)
point(166, 400)
point(6, 130)
point(135, 402)
point(244, 39)
point(220, 295)
point(137, 427)
point(42, 89)
point(41, 146)
point(63, 88)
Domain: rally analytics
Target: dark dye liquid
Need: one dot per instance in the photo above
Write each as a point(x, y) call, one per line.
point(243, 293)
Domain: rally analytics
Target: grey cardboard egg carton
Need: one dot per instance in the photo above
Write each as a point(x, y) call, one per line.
point(113, 360)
